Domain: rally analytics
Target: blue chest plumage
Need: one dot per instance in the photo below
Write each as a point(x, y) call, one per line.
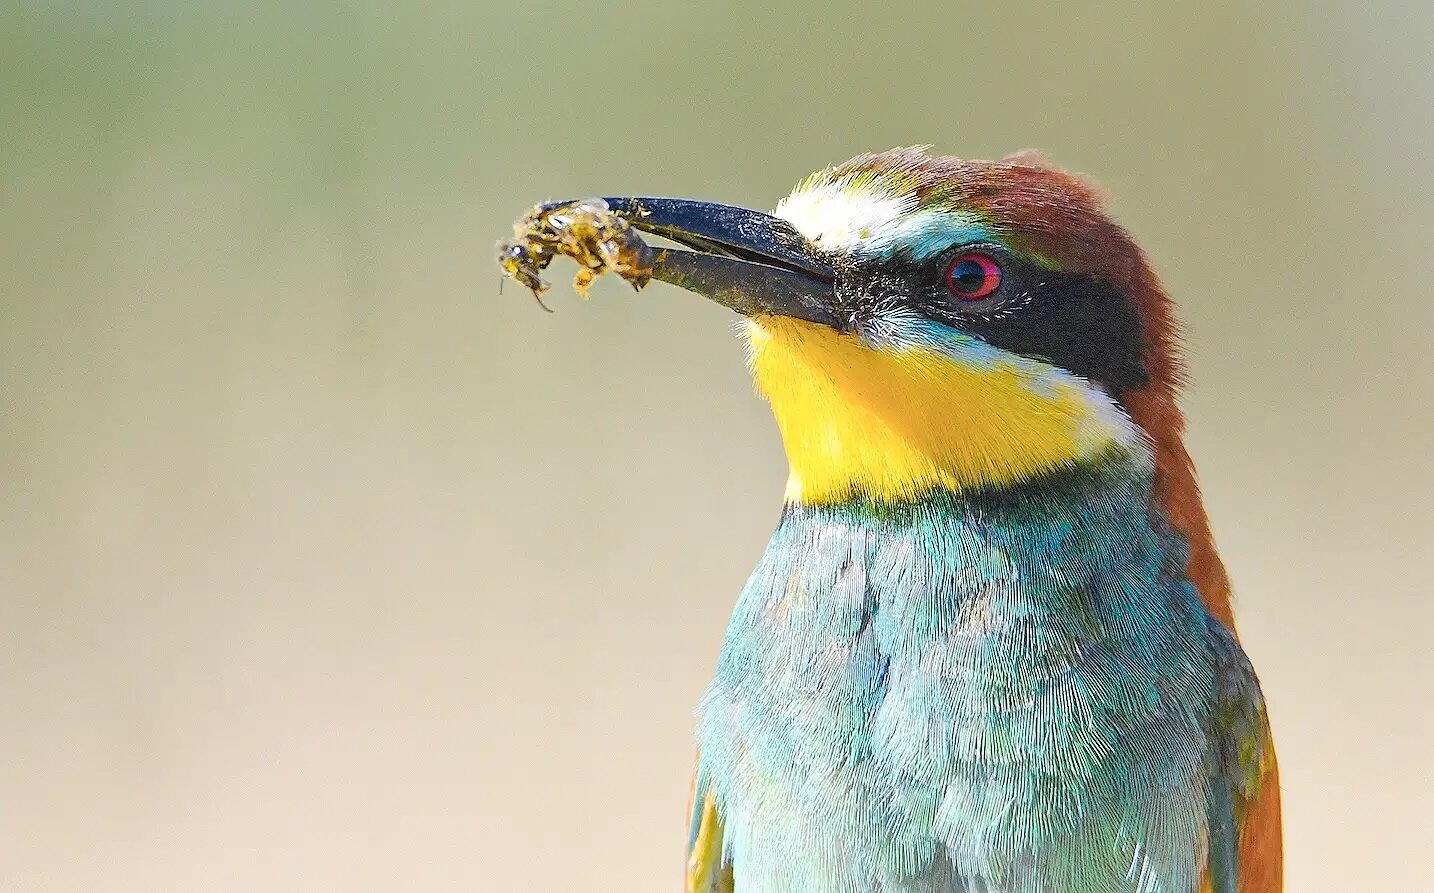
point(1014, 691)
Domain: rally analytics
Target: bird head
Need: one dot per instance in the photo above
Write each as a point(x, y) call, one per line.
point(923, 323)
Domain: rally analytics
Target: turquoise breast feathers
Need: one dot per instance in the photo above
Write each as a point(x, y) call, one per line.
point(1009, 692)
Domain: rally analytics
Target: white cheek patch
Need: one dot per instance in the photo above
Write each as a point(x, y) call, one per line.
point(867, 220)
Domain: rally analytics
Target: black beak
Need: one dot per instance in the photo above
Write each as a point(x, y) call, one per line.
point(746, 260)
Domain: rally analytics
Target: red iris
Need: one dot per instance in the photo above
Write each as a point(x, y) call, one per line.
point(973, 276)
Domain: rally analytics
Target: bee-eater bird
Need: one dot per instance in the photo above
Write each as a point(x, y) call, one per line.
point(989, 647)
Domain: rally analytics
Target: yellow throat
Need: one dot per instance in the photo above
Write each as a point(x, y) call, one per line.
point(896, 423)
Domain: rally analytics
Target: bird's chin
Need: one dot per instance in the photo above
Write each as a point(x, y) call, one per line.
point(761, 327)
point(894, 423)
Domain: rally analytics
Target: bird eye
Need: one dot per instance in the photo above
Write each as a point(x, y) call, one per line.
point(972, 276)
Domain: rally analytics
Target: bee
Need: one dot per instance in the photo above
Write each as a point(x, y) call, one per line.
point(586, 230)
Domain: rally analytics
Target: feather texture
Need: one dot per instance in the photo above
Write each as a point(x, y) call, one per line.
point(1015, 691)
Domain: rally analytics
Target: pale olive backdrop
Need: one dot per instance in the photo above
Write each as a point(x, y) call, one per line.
point(324, 567)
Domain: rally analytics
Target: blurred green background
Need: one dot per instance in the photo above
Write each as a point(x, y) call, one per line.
point(323, 566)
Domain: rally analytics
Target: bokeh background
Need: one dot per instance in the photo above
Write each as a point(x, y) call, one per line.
point(324, 566)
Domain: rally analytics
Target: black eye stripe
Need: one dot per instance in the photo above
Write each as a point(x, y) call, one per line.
point(1079, 323)
point(1082, 324)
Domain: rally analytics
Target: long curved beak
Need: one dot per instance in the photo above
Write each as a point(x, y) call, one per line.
point(752, 262)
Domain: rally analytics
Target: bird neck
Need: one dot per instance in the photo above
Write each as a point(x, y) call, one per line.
point(974, 647)
point(1109, 497)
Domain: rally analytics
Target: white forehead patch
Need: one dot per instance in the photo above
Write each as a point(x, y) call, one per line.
point(866, 219)
point(836, 216)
